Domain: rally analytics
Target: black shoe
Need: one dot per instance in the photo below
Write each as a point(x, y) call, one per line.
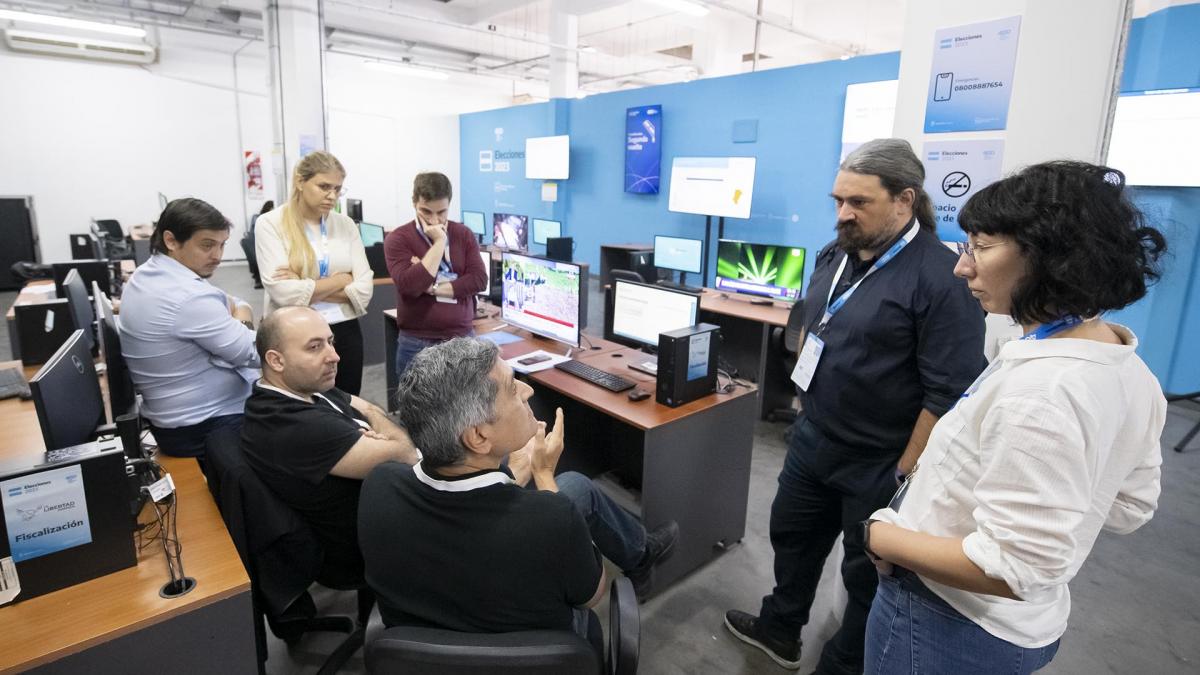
point(745, 628)
point(659, 545)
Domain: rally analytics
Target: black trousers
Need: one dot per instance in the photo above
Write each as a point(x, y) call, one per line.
point(825, 489)
point(348, 339)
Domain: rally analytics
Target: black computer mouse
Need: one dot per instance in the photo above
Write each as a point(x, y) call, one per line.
point(638, 394)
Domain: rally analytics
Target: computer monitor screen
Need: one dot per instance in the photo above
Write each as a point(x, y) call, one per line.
point(541, 296)
point(473, 220)
point(80, 306)
point(544, 229)
point(760, 269)
point(141, 251)
point(89, 271)
point(371, 234)
point(642, 311)
point(66, 394)
point(510, 231)
point(486, 257)
point(679, 254)
point(121, 398)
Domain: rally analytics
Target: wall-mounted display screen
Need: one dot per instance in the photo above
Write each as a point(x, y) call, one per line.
point(548, 157)
point(1156, 138)
point(712, 186)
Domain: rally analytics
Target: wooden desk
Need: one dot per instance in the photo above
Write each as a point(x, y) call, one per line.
point(118, 623)
point(747, 345)
point(689, 464)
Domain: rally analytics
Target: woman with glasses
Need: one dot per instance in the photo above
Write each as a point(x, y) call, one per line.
point(310, 254)
point(1057, 439)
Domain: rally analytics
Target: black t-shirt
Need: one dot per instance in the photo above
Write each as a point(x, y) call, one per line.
point(292, 445)
point(910, 337)
point(473, 553)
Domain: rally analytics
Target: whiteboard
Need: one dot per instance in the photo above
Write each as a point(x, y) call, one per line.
point(712, 186)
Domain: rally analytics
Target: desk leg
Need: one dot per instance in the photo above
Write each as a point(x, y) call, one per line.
point(390, 334)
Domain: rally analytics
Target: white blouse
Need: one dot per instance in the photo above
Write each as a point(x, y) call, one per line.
point(1056, 440)
point(346, 254)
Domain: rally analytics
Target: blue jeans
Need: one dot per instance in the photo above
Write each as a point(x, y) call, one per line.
point(913, 631)
point(619, 536)
point(189, 441)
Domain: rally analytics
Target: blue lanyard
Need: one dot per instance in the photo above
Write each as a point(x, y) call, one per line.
point(1053, 328)
point(445, 264)
point(323, 262)
point(832, 306)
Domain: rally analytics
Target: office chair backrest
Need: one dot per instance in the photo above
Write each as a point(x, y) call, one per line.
point(626, 275)
point(624, 628)
point(795, 324)
point(110, 228)
point(433, 651)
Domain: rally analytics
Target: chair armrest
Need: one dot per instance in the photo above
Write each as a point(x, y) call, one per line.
point(624, 628)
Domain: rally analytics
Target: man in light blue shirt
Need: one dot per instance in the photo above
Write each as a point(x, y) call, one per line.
point(188, 344)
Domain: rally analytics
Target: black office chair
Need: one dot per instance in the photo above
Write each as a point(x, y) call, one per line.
point(626, 275)
point(281, 554)
point(434, 651)
point(112, 239)
point(790, 337)
point(1194, 397)
point(251, 257)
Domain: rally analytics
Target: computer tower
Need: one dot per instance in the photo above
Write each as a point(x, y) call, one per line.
point(41, 329)
point(354, 210)
point(18, 231)
point(687, 364)
point(561, 249)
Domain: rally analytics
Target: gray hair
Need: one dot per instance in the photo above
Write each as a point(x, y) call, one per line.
point(898, 168)
point(445, 391)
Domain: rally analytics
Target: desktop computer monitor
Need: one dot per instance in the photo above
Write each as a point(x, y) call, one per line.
point(768, 270)
point(473, 220)
point(544, 229)
point(510, 231)
point(541, 296)
point(371, 234)
point(141, 252)
point(679, 254)
point(486, 257)
point(642, 311)
point(121, 397)
point(89, 271)
point(80, 307)
point(66, 394)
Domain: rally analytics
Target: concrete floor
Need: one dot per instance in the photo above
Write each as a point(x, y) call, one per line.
point(1136, 605)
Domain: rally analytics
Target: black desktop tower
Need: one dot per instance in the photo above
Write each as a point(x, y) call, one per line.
point(561, 249)
point(41, 329)
point(18, 231)
point(354, 210)
point(687, 364)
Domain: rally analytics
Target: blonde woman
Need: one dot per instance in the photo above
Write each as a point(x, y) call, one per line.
point(310, 255)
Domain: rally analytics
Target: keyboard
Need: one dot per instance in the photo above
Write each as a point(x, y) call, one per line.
point(12, 383)
point(694, 290)
point(611, 382)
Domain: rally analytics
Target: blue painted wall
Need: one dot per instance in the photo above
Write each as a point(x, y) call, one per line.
point(799, 114)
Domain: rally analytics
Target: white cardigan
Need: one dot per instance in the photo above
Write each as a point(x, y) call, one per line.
point(346, 254)
point(1057, 440)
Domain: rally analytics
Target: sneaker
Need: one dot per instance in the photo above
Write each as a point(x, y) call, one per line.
point(745, 628)
point(659, 545)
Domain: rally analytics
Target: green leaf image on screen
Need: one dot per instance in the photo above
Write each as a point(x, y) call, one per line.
point(761, 263)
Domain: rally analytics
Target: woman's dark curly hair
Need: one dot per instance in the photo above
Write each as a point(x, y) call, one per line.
point(1087, 248)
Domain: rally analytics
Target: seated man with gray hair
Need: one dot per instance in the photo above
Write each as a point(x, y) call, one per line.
point(311, 443)
point(455, 541)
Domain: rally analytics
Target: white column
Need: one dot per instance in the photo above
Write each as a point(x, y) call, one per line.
point(564, 63)
point(296, 53)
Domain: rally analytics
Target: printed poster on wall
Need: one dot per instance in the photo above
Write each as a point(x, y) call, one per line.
point(252, 166)
point(955, 170)
point(970, 83)
point(643, 149)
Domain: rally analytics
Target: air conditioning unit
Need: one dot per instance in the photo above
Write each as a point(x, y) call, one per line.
point(79, 47)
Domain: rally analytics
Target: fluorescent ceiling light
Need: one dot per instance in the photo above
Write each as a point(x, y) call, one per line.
point(683, 6)
point(64, 22)
point(410, 71)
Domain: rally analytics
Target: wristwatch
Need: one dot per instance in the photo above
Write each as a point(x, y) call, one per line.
point(866, 538)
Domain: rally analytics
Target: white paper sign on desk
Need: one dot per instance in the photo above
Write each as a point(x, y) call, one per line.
point(10, 585)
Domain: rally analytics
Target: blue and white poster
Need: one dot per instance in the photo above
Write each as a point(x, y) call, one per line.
point(643, 149)
point(970, 83)
point(954, 171)
point(45, 512)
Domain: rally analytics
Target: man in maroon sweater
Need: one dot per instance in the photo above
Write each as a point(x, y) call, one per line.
point(437, 271)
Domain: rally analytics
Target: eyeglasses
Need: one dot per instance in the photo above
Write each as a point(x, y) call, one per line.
point(336, 190)
point(967, 248)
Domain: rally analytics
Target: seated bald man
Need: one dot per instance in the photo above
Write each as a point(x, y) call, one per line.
point(311, 443)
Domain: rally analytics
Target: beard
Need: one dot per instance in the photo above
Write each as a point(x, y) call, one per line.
point(851, 237)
